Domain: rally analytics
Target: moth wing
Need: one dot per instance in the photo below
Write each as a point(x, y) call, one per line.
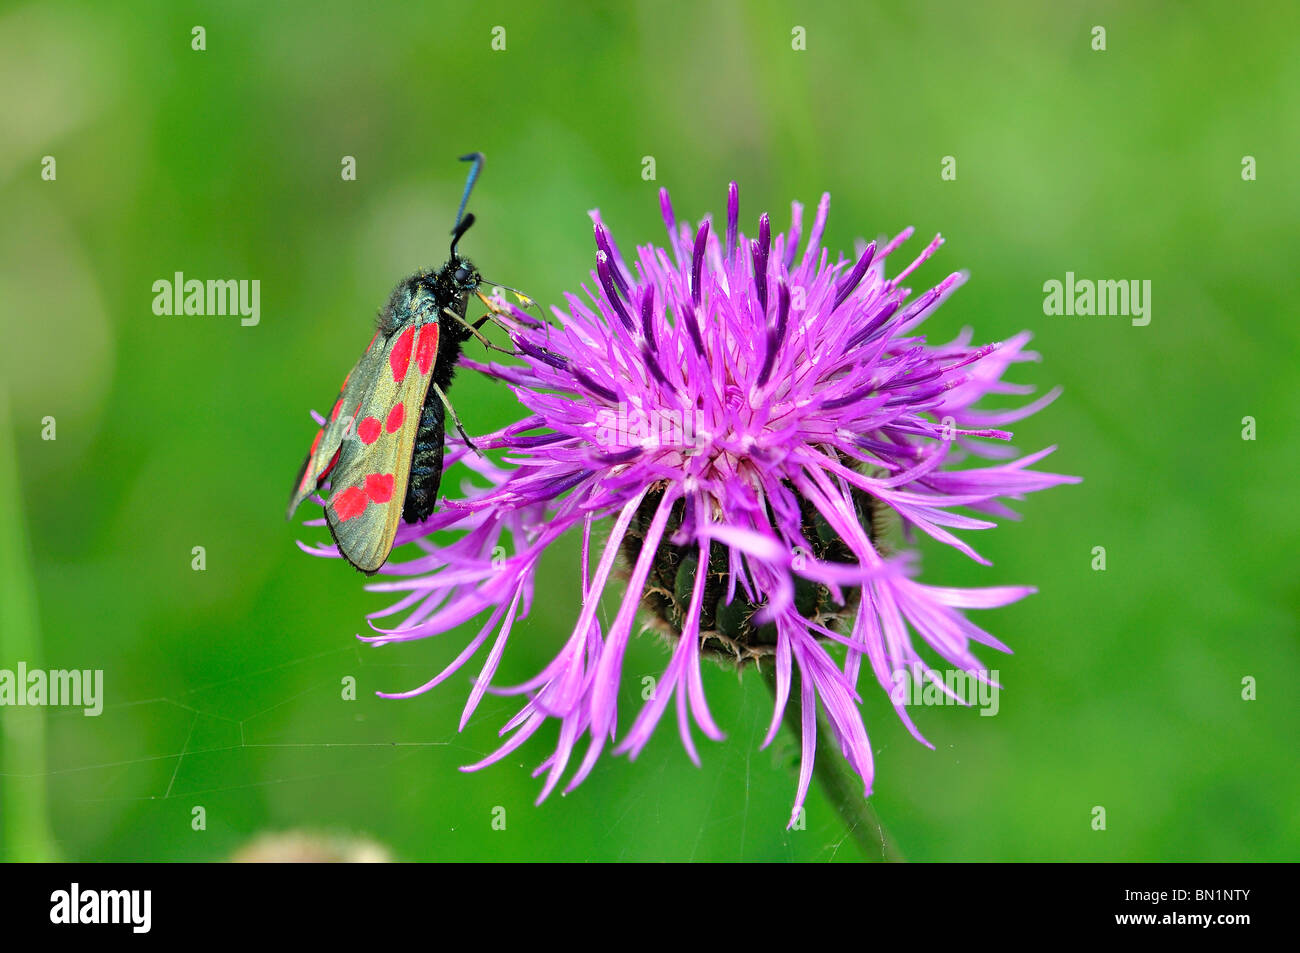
point(325, 448)
point(370, 479)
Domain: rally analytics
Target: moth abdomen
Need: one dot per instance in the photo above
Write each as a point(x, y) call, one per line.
point(426, 463)
point(426, 458)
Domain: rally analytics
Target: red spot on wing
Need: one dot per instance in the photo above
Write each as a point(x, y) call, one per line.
point(379, 487)
point(316, 443)
point(395, 417)
point(333, 460)
point(351, 502)
point(399, 358)
point(368, 430)
point(334, 414)
point(427, 347)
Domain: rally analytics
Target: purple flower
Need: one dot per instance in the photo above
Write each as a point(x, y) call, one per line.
point(751, 418)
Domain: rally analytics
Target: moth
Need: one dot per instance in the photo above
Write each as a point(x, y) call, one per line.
point(382, 447)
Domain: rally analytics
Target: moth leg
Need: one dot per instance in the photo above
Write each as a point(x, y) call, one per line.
point(474, 330)
point(499, 313)
point(460, 429)
point(527, 300)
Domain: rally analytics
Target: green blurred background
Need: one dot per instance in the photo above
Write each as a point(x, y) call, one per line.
point(223, 686)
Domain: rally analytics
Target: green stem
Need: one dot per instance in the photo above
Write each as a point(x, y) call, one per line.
point(24, 822)
point(842, 787)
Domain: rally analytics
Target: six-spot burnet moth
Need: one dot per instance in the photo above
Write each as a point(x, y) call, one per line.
point(381, 449)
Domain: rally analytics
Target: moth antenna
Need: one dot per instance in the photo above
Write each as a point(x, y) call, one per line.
point(461, 228)
point(462, 225)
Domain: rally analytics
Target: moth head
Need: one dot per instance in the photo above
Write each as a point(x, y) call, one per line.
point(463, 275)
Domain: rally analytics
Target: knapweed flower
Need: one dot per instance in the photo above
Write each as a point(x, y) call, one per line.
point(749, 417)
